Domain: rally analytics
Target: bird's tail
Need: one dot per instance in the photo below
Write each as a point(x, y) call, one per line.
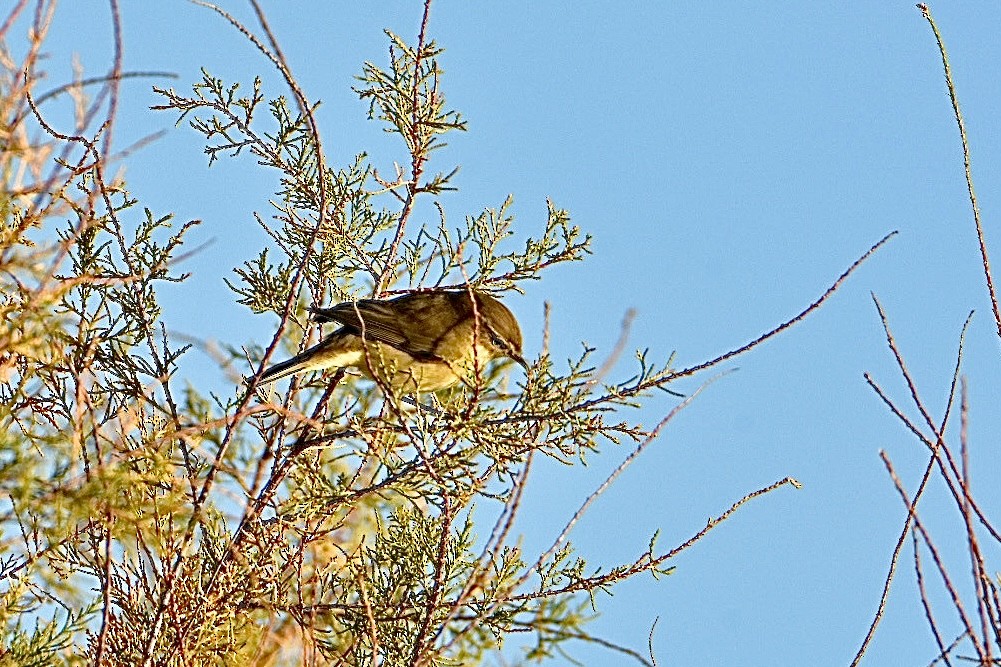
point(296, 364)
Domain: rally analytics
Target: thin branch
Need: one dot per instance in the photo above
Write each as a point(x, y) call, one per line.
point(418, 158)
point(933, 445)
point(610, 479)
point(926, 603)
point(954, 480)
point(936, 557)
point(944, 655)
point(785, 325)
point(979, 572)
point(985, 260)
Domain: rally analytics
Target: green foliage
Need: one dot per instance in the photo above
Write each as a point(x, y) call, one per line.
point(333, 523)
point(407, 98)
point(47, 642)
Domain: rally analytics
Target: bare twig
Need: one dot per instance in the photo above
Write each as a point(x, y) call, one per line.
point(788, 323)
point(926, 603)
point(936, 558)
point(985, 260)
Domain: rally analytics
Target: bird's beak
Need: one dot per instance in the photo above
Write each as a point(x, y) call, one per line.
point(518, 359)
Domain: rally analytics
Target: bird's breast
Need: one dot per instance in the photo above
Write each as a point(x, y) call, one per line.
point(401, 371)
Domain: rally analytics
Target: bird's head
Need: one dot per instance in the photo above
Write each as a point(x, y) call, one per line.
point(500, 331)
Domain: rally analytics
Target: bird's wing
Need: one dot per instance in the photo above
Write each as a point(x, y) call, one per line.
point(409, 324)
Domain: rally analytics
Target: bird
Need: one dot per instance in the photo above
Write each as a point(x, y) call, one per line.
point(416, 343)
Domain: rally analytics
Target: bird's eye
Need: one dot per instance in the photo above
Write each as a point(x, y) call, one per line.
point(498, 342)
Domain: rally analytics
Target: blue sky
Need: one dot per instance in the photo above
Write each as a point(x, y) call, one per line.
point(731, 160)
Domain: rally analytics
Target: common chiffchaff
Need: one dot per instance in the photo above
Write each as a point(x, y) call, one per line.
point(418, 342)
